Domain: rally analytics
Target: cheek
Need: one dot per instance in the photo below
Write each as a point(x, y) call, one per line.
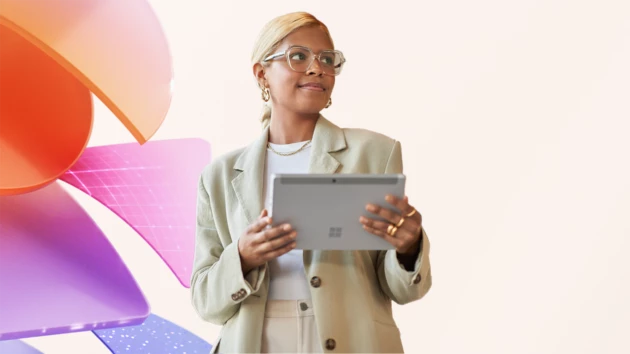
point(284, 84)
point(331, 83)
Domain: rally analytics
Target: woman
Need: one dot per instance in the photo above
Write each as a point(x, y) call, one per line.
point(247, 276)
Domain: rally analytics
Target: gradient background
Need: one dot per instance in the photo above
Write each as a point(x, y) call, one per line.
point(514, 118)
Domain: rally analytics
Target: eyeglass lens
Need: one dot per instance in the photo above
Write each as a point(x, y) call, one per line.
point(301, 58)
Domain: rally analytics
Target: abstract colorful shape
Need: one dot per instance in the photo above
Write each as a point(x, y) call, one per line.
point(153, 188)
point(59, 273)
point(53, 54)
point(154, 335)
point(45, 115)
point(116, 48)
point(17, 347)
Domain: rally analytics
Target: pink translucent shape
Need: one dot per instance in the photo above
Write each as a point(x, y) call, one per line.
point(153, 188)
point(115, 48)
point(58, 272)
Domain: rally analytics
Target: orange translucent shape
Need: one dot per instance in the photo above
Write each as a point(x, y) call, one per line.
point(45, 116)
point(115, 47)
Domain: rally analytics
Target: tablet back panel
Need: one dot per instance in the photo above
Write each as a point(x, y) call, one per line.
point(325, 209)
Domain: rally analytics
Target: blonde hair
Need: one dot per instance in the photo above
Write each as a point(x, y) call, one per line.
point(273, 33)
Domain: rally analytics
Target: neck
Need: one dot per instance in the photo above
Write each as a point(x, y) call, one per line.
point(288, 128)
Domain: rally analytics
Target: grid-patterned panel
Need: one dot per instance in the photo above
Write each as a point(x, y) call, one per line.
point(152, 187)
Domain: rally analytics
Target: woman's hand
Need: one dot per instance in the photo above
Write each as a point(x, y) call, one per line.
point(403, 231)
point(260, 244)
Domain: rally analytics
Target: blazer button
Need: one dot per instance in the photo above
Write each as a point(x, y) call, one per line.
point(417, 279)
point(330, 344)
point(242, 292)
point(316, 282)
point(235, 297)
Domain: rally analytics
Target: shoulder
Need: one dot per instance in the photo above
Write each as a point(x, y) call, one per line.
point(370, 141)
point(221, 166)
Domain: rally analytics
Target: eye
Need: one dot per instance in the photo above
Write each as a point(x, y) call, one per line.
point(328, 60)
point(298, 56)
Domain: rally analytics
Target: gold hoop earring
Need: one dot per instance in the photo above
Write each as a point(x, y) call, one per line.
point(266, 94)
point(329, 103)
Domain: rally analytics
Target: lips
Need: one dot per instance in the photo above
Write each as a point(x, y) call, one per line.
point(314, 86)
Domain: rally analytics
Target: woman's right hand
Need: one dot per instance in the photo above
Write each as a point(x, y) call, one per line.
point(260, 244)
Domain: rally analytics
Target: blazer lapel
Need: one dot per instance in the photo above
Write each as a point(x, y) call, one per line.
point(327, 138)
point(248, 184)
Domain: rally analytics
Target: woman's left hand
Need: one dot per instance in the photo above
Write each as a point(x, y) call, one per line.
point(403, 230)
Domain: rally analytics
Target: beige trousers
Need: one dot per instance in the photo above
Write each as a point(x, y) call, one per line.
point(289, 327)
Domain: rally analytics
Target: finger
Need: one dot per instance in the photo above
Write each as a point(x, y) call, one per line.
point(375, 224)
point(263, 213)
point(259, 225)
point(278, 242)
point(404, 233)
point(272, 233)
point(392, 240)
point(404, 206)
point(279, 251)
point(398, 203)
point(408, 224)
point(385, 213)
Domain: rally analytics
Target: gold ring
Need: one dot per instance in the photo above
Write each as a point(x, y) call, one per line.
point(402, 220)
point(411, 213)
point(391, 230)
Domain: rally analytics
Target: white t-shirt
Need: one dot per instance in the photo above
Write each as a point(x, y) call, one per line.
point(288, 281)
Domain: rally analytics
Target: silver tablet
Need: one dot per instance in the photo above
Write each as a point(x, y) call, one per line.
point(324, 209)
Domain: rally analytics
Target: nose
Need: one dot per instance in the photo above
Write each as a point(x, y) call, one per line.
point(315, 68)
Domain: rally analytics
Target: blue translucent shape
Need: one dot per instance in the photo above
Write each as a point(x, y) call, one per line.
point(17, 347)
point(154, 335)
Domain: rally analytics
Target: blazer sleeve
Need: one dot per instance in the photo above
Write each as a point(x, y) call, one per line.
point(400, 285)
point(218, 285)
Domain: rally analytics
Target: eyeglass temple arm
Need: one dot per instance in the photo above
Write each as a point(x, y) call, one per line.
point(273, 56)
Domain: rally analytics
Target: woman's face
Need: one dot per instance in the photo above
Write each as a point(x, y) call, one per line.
point(301, 93)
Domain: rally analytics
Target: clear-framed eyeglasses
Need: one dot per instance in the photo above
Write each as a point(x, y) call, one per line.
point(301, 58)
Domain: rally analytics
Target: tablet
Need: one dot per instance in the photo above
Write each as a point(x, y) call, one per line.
point(324, 209)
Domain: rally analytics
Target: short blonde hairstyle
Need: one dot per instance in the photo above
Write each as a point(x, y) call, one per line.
point(273, 33)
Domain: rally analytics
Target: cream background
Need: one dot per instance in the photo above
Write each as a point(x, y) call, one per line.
point(514, 121)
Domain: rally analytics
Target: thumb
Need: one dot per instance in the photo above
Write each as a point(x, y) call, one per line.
point(263, 213)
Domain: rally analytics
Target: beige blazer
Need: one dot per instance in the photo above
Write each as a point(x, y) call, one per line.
point(352, 291)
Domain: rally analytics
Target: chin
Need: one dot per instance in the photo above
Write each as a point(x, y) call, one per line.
point(312, 107)
point(311, 110)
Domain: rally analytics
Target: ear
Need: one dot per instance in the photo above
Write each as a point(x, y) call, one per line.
point(259, 74)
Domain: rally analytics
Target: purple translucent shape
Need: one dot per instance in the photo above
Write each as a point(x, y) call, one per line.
point(59, 273)
point(155, 335)
point(153, 188)
point(17, 347)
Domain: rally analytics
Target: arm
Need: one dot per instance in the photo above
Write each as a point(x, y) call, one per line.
point(218, 285)
point(399, 283)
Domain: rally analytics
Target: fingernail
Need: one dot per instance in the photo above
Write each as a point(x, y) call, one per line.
point(389, 198)
point(370, 207)
point(287, 227)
